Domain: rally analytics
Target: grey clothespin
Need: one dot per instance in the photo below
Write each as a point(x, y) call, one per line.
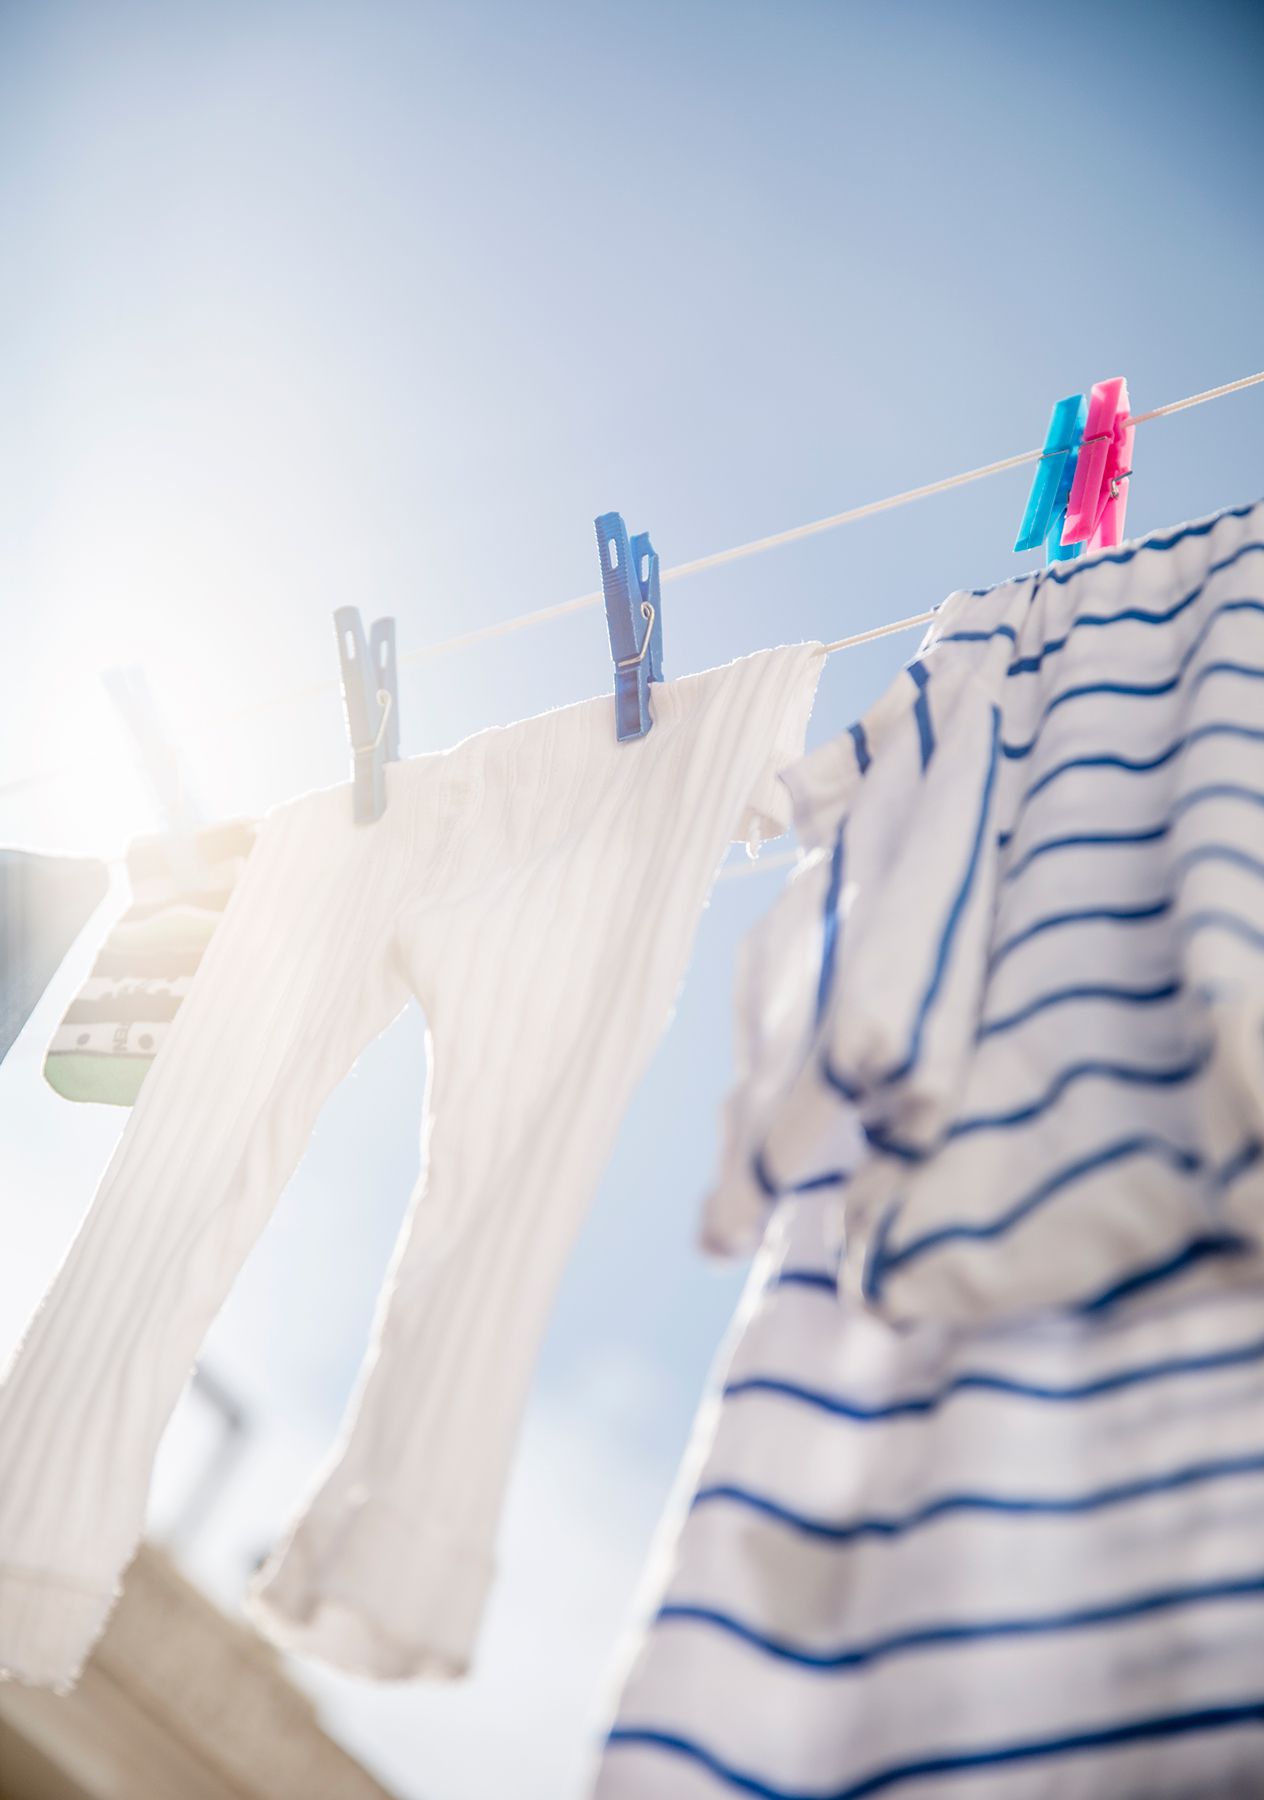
point(370, 691)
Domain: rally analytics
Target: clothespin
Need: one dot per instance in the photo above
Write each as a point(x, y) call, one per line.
point(1051, 485)
point(634, 618)
point(370, 692)
point(157, 754)
point(1099, 493)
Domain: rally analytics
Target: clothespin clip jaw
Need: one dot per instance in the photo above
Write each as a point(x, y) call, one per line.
point(1099, 493)
point(370, 692)
point(634, 619)
point(1051, 485)
point(161, 761)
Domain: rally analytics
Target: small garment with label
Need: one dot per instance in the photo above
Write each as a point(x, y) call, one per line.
point(117, 1023)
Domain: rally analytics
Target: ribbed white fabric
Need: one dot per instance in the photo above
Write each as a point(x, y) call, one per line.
point(537, 888)
point(986, 1553)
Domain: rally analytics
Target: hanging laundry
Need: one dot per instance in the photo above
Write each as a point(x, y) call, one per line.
point(1023, 1560)
point(1020, 1547)
point(45, 901)
point(1046, 993)
point(538, 889)
point(118, 1022)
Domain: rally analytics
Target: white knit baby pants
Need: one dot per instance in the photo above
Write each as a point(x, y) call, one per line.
point(537, 889)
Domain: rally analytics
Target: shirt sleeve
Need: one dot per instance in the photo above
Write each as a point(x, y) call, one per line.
point(857, 991)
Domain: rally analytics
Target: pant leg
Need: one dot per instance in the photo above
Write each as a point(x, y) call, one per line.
point(547, 983)
point(299, 977)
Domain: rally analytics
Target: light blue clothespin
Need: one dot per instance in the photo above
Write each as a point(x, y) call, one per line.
point(1046, 511)
point(634, 618)
point(158, 756)
point(370, 692)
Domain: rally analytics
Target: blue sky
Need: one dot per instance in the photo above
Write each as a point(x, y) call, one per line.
point(381, 303)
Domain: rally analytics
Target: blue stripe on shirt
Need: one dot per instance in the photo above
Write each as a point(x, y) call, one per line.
point(1030, 665)
point(1065, 571)
point(1130, 615)
point(806, 1278)
point(851, 1091)
point(951, 923)
point(1211, 790)
point(1219, 919)
point(1129, 1074)
point(1090, 1069)
point(1202, 1248)
point(920, 677)
point(1229, 854)
point(830, 926)
point(1153, 834)
point(772, 1189)
point(955, 1762)
point(1216, 790)
point(1128, 839)
point(1150, 690)
point(883, 1259)
point(1015, 1506)
point(1081, 915)
point(1130, 690)
point(1006, 1387)
point(1103, 991)
point(978, 637)
point(861, 743)
point(1086, 840)
point(1138, 765)
point(967, 1631)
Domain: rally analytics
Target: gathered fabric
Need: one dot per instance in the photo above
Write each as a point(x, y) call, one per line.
point(1037, 985)
point(950, 1563)
point(974, 1502)
point(537, 888)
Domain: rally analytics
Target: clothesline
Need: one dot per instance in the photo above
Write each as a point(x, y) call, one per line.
point(716, 559)
point(698, 565)
point(1027, 1334)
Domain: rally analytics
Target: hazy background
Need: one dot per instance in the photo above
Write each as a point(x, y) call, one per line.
point(381, 303)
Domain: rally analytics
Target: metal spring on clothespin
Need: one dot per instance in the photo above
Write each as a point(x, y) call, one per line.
point(630, 588)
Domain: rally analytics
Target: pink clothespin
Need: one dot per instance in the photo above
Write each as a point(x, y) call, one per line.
point(1099, 493)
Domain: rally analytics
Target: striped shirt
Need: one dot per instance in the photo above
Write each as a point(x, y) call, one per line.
point(994, 1524)
point(1040, 997)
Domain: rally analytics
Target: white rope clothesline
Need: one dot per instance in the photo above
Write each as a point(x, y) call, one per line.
point(756, 547)
point(716, 559)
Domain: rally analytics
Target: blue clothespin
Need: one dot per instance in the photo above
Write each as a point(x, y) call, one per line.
point(157, 754)
point(634, 617)
point(1051, 486)
point(370, 691)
